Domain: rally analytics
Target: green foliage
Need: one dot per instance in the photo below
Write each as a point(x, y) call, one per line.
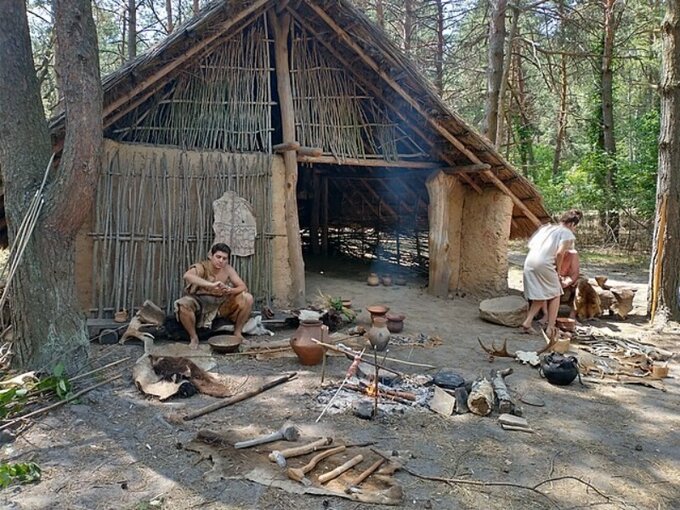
point(13, 399)
point(25, 472)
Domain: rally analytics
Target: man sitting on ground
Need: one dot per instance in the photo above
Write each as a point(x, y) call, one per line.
point(213, 289)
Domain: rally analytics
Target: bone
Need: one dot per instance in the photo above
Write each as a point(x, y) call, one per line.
point(298, 474)
point(332, 475)
point(354, 484)
point(280, 456)
point(285, 433)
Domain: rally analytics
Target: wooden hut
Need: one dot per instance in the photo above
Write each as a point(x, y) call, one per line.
point(306, 110)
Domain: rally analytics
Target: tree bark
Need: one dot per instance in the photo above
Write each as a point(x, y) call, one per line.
point(168, 14)
point(494, 71)
point(196, 7)
point(439, 55)
point(380, 14)
point(132, 29)
point(608, 138)
point(664, 284)
point(282, 26)
point(48, 323)
point(504, 76)
point(561, 116)
point(409, 18)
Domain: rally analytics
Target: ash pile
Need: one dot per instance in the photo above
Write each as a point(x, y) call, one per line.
point(395, 394)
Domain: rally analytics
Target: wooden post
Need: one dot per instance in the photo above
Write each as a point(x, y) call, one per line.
point(281, 25)
point(440, 186)
point(324, 215)
point(315, 212)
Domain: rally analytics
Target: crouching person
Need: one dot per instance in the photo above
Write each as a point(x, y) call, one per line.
point(213, 288)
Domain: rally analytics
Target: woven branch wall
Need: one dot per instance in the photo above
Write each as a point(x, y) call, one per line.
point(153, 219)
point(221, 102)
point(331, 111)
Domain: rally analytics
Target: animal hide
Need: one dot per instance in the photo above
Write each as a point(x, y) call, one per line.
point(175, 369)
point(587, 301)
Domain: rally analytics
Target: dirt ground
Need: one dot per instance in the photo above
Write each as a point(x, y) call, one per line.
point(116, 449)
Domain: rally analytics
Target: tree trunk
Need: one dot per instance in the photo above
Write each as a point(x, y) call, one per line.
point(504, 76)
point(282, 26)
point(168, 14)
point(561, 116)
point(409, 18)
point(664, 284)
point(525, 130)
point(196, 7)
point(494, 71)
point(380, 13)
point(439, 56)
point(132, 29)
point(607, 93)
point(48, 323)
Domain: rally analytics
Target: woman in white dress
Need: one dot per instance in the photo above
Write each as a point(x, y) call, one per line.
point(542, 268)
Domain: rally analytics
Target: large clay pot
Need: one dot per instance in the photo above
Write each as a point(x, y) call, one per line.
point(377, 311)
point(373, 280)
point(308, 352)
point(379, 335)
point(395, 322)
point(387, 280)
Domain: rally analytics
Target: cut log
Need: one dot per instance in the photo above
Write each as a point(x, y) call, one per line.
point(506, 310)
point(505, 402)
point(481, 398)
point(623, 301)
point(461, 400)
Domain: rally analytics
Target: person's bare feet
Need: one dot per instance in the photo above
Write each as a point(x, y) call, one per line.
point(528, 330)
point(193, 344)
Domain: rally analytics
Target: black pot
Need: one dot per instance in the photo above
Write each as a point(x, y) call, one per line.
point(558, 369)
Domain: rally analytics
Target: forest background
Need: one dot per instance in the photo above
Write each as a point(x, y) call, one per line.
point(566, 89)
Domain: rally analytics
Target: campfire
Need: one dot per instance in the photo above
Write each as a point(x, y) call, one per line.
point(395, 395)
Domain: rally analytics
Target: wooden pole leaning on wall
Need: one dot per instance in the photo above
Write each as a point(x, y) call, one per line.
point(281, 25)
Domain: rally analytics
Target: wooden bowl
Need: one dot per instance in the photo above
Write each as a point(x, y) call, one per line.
point(565, 323)
point(224, 343)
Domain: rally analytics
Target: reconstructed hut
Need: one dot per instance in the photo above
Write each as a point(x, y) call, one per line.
point(308, 112)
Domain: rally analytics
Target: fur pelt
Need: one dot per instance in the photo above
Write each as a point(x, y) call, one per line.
point(587, 302)
point(183, 368)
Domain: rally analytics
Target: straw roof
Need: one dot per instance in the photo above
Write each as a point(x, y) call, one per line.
point(370, 56)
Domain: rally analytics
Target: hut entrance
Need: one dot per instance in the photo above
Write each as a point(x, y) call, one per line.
point(378, 216)
point(153, 219)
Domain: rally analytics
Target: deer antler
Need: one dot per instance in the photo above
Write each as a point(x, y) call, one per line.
point(495, 351)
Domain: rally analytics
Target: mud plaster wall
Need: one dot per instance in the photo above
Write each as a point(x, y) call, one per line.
point(281, 273)
point(484, 241)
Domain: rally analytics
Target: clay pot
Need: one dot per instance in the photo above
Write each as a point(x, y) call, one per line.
point(347, 303)
point(395, 322)
point(308, 352)
point(377, 311)
point(379, 335)
point(373, 280)
point(399, 280)
point(387, 280)
point(120, 316)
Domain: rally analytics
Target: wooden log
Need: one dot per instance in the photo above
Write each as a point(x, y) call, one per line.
point(481, 398)
point(313, 152)
point(461, 395)
point(363, 475)
point(240, 396)
point(505, 402)
point(285, 146)
point(439, 187)
point(332, 475)
point(478, 167)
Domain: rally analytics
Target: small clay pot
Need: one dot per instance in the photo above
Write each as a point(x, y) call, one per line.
point(387, 280)
point(395, 322)
point(379, 335)
point(347, 303)
point(373, 280)
point(399, 280)
point(120, 316)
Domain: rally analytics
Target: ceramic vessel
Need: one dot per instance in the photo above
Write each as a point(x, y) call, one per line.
point(399, 280)
point(387, 280)
point(309, 352)
point(379, 335)
point(120, 316)
point(373, 280)
point(377, 311)
point(395, 322)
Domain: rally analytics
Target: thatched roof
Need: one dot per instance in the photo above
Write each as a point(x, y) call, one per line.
point(372, 57)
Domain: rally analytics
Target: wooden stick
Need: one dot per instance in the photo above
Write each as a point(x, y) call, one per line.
point(286, 146)
point(99, 369)
point(332, 475)
point(375, 382)
point(314, 152)
point(365, 474)
point(61, 402)
point(241, 396)
point(298, 474)
point(350, 354)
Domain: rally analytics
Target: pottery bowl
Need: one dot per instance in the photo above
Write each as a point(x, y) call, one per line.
point(377, 310)
point(224, 343)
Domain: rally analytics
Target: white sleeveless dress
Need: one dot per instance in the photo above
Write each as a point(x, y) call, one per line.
point(540, 274)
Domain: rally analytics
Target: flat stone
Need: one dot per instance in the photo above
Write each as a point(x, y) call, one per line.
point(506, 310)
point(442, 403)
point(447, 378)
point(363, 408)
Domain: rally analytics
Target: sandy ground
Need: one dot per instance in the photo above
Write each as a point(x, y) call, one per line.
point(115, 449)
